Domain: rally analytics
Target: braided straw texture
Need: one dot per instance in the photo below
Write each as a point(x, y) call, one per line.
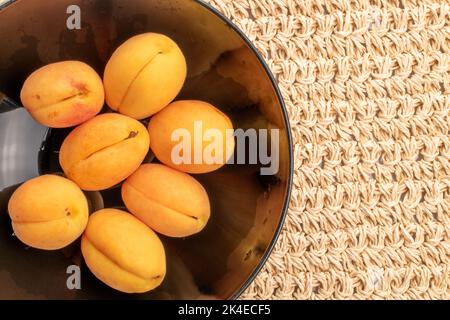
point(367, 88)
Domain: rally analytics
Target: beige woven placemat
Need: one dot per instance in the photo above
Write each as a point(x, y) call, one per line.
point(367, 87)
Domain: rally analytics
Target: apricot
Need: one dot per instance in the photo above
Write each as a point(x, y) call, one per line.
point(123, 252)
point(191, 136)
point(48, 212)
point(63, 94)
point(104, 151)
point(144, 75)
point(168, 201)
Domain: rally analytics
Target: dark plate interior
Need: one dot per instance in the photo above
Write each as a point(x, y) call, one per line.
point(223, 69)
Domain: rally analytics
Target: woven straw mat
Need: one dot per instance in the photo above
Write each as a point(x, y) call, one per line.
point(367, 88)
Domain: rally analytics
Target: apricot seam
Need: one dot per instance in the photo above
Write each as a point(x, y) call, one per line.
point(73, 96)
point(132, 134)
point(117, 264)
point(136, 76)
point(197, 219)
point(43, 221)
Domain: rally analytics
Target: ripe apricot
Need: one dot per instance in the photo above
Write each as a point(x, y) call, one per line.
point(191, 136)
point(48, 212)
point(63, 94)
point(168, 201)
point(123, 252)
point(144, 75)
point(104, 151)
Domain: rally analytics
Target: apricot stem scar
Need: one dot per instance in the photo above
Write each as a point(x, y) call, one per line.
point(132, 134)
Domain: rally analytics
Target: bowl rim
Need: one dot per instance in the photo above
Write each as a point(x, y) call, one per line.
point(6, 3)
point(276, 88)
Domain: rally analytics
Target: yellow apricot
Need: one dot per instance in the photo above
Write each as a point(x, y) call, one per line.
point(104, 151)
point(144, 75)
point(191, 136)
point(168, 201)
point(63, 94)
point(48, 212)
point(123, 252)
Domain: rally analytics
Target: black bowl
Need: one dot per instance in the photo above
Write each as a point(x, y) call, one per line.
point(248, 208)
